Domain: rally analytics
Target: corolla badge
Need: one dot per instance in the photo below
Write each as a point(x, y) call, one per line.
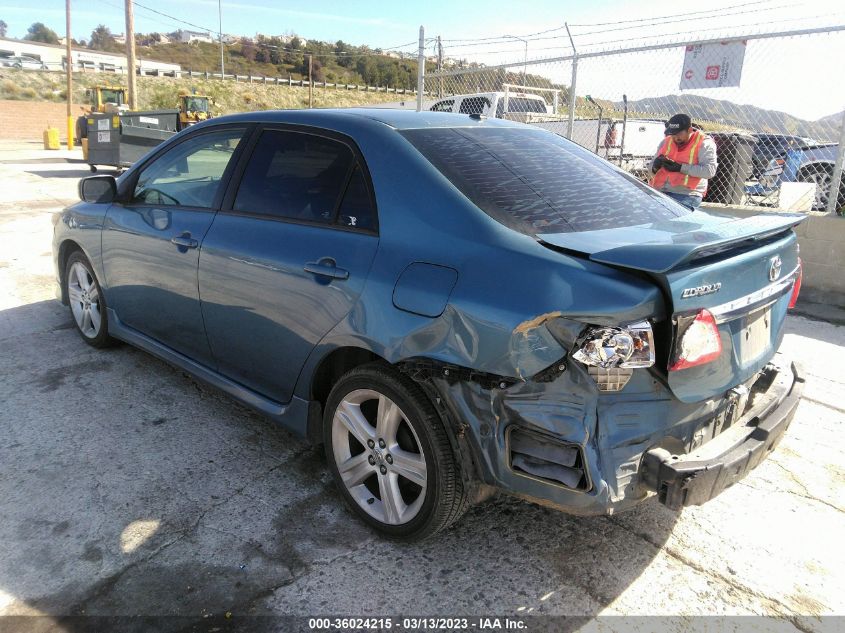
point(774, 268)
point(698, 291)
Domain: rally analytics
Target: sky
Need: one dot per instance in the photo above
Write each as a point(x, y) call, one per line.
point(790, 75)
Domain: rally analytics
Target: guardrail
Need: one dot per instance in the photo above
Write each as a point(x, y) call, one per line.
point(248, 78)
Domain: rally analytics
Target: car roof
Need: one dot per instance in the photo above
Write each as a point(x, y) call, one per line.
point(397, 119)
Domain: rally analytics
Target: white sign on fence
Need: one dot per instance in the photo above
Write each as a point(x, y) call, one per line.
point(713, 65)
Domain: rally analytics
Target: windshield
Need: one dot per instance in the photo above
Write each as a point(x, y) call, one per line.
point(112, 96)
point(536, 182)
point(196, 104)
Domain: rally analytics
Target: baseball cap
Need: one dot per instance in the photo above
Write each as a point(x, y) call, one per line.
point(677, 123)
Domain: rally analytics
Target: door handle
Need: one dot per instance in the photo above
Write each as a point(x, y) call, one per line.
point(326, 267)
point(185, 240)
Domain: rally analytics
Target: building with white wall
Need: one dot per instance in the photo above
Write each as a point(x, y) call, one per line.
point(194, 36)
point(53, 56)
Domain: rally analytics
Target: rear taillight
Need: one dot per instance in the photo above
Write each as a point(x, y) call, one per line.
point(700, 343)
point(628, 347)
point(796, 287)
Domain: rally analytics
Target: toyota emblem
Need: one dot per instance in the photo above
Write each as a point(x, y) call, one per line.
point(774, 268)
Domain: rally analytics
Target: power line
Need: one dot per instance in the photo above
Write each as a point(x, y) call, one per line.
point(678, 15)
point(196, 26)
point(628, 39)
point(687, 19)
point(659, 20)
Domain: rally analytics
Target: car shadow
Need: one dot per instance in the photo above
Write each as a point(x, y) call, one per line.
point(69, 173)
point(129, 489)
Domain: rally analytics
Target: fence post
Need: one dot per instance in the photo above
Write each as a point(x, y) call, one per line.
point(833, 195)
point(572, 98)
point(421, 71)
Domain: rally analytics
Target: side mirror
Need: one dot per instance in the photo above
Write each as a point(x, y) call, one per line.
point(102, 189)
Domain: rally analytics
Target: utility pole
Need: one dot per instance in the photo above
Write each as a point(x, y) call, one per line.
point(310, 83)
point(525, 59)
point(421, 70)
point(440, 66)
point(130, 55)
point(69, 69)
point(220, 35)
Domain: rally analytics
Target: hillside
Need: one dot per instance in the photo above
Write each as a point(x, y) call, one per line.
point(733, 115)
point(162, 92)
point(333, 62)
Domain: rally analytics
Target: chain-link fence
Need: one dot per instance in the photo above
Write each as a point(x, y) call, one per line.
point(760, 97)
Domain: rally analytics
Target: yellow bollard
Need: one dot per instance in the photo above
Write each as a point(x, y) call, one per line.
point(71, 131)
point(51, 138)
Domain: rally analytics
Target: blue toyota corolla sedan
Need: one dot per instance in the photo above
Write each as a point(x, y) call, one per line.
point(451, 305)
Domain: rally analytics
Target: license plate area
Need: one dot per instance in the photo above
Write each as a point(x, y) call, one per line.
point(755, 336)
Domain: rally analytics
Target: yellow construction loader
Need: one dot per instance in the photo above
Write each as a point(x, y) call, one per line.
point(102, 99)
point(193, 109)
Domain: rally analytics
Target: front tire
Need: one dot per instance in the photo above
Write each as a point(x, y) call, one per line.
point(390, 454)
point(87, 303)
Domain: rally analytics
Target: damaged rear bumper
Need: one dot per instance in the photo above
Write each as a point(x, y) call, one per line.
point(695, 478)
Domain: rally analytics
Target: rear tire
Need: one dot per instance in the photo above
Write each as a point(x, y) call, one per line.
point(390, 454)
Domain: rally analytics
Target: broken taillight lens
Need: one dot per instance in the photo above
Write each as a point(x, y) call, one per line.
point(796, 287)
point(700, 343)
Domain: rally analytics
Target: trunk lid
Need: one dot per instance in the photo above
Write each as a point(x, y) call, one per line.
point(740, 269)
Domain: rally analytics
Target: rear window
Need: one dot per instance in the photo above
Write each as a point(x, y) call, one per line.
point(521, 104)
point(536, 182)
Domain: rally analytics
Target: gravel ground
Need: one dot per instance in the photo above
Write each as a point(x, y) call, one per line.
point(127, 488)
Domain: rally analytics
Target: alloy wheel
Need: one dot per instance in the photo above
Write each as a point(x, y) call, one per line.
point(379, 456)
point(84, 300)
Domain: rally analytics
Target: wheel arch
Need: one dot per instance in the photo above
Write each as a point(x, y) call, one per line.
point(815, 165)
point(326, 374)
point(66, 248)
point(343, 359)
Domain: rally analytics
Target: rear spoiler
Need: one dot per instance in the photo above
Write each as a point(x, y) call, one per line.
point(662, 247)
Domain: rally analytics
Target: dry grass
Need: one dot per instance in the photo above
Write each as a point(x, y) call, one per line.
point(163, 92)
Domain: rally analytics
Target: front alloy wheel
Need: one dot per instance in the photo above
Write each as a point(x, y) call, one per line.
point(390, 454)
point(87, 304)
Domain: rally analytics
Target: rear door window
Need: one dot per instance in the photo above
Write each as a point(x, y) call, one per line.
point(535, 182)
point(308, 178)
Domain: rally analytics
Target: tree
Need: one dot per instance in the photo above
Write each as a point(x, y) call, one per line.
point(248, 50)
point(40, 33)
point(316, 70)
point(3, 28)
point(102, 39)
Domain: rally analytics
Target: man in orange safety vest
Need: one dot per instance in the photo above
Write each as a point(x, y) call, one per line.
point(685, 160)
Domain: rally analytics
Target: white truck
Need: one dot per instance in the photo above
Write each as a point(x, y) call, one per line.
point(629, 143)
point(512, 103)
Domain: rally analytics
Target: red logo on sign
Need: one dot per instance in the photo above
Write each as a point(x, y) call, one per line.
point(712, 73)
point(688, 74)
